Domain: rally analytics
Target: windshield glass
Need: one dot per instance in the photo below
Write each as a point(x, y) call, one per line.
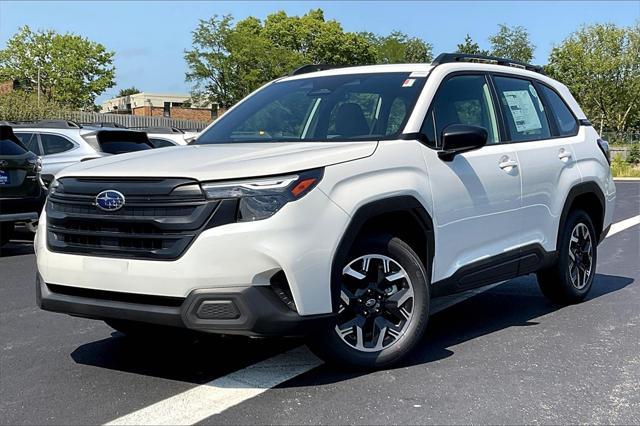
point(333, 108)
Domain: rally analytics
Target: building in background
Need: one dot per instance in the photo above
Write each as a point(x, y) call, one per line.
point(161, 104)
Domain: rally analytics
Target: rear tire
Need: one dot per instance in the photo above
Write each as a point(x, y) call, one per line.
point(6, 232)
point(569, 280)
point(384, 306)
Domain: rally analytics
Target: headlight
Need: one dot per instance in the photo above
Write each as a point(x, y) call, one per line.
point(262, 197)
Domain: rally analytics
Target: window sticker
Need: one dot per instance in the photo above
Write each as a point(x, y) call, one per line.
point(522, 110)
point(408, 82)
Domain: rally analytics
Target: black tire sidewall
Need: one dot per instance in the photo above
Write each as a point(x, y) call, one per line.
point(331, 347)
point(574, 218)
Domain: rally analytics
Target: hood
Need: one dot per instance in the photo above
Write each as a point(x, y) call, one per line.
point(223, 161)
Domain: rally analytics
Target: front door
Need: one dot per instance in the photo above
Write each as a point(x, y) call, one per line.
point(477, 195)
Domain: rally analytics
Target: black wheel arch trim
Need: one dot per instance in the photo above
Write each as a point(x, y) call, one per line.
point(583, 188)
point(371, 210)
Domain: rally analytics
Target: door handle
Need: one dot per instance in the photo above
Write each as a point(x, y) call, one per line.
point(508, 164)
point(564, 155)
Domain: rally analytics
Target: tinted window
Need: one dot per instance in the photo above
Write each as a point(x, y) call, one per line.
point(339, 107)
point(120, 147)
point(54, 144)
point(9, 147)
point(160, 143)
point(523, 109)
point(464, 99)
point(565, 121)
point(30, 140)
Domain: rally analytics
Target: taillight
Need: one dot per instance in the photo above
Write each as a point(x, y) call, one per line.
point(604, 147)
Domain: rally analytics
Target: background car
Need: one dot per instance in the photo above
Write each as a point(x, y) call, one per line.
point(61, 143)
point(21, 191)
point(161, 137)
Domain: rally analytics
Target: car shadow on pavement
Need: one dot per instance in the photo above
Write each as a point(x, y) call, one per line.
point(20, 245)
point(516, 303)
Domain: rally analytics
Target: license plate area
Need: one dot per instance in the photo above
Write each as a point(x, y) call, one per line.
point(5, 177)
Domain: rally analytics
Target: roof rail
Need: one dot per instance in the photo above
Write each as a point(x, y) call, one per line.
point(313, 68)
point(105, 124)
point(52, 124)
point(445, 58)
point(158, 129)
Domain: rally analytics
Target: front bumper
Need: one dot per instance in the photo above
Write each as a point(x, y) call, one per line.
point(25, 209)
point(298, 241)
point(251, 311)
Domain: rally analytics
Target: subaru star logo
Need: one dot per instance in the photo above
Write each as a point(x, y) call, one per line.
point(110, 200)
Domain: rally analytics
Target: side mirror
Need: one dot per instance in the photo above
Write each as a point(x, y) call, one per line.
point(457, 138)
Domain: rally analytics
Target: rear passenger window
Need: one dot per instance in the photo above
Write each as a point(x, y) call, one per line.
point(523, 109)
point(30, 140)
point(54, 144)
point(464, 99)
point(565, 121)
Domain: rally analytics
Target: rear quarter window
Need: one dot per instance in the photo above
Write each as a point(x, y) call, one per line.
point(54, 144)
point(565, 121)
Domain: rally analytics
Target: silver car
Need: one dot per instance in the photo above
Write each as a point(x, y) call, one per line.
point(61, 143)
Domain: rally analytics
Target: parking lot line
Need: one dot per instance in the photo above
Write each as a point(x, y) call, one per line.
point(624, 224)
point(214, 397)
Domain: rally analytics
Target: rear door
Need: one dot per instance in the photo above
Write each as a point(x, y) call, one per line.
point(476, 196)
point(543, 131)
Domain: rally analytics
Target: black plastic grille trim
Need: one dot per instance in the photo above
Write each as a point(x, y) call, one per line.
point(152, 226)
point(142, 299)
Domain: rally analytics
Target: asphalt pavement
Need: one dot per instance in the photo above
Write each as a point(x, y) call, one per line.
point(505, 355)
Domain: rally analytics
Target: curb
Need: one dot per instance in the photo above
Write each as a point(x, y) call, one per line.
point(627, 179)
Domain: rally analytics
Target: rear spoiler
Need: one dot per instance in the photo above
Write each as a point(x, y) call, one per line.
point(6, 132)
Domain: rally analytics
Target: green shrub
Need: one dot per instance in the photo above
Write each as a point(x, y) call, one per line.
point(633, 155)
point(620, 168)
point(23, 106)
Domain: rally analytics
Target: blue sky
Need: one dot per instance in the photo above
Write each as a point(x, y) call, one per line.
point(149, 37)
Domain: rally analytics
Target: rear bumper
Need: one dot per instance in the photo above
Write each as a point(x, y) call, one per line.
point(251, 311)
point(21, 209)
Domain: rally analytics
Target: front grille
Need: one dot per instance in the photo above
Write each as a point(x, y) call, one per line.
point(152, 224)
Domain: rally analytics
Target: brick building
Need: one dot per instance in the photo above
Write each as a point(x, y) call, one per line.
point(161, 104)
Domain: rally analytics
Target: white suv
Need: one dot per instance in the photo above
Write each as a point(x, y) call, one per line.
point(336, 204)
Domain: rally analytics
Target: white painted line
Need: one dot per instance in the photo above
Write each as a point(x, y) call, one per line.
point(624, 224)
point(206, 400)
point(212, 398)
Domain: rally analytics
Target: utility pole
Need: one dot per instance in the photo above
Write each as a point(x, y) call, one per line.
point(38, 87)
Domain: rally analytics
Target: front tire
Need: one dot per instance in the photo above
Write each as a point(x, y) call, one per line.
point(383, 309)
point(570, 279)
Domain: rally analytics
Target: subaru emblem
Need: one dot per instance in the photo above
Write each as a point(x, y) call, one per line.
point(110, 200)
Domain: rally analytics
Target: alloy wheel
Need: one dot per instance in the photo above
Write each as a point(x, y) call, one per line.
point(580, 256)
point(376, 303)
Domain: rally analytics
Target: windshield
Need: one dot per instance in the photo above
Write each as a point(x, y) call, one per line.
point(333, 108)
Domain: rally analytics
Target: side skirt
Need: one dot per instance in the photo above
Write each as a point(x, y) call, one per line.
point(511, 264)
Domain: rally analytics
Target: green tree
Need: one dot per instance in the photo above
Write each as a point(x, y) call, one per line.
point(512, 43)
point(73, 70)
point(600, 64)
point(470, 47)
point(228, 61)
point(128, 91)
point(398, 47)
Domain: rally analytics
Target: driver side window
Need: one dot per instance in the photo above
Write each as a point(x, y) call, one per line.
point(462, 99)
